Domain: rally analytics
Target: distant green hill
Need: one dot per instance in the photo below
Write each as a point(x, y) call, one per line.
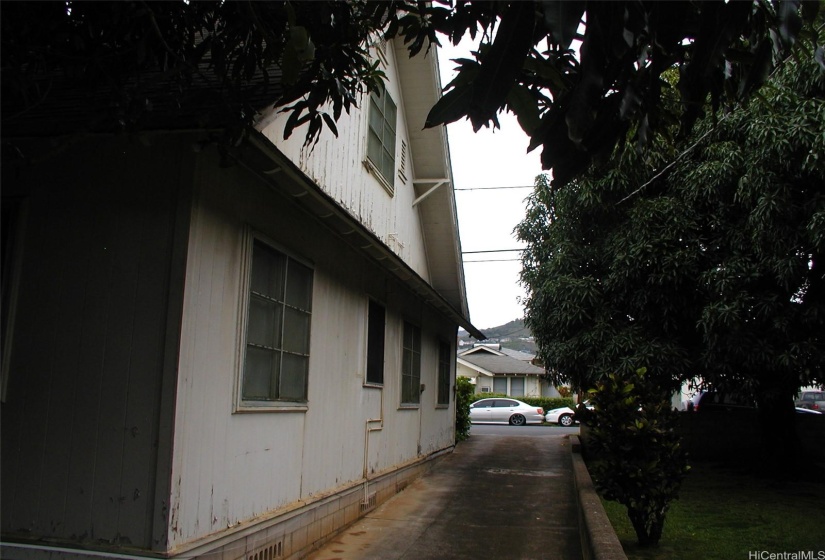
point(513, 335)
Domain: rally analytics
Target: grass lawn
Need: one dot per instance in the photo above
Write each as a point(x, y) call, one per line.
point(723, 513)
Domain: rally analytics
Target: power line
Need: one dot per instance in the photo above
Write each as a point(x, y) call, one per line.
point(494, 188)
point(493, 260)
point(492, 251)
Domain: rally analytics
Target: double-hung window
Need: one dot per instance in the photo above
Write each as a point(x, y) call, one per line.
point(381, 136)
point(279, 308)
point(444, 358)
point(411, 365)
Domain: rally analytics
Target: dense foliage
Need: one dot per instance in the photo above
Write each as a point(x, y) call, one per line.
point(463, 399)
point(578, 103)
point(700, 259)
point(209, 57)
point(312, 59)
point(635, 453)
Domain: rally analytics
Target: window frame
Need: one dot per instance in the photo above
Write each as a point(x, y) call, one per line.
point(443, 378)
point(368, 382)
point(243, 404)
point(414, 377)
point(387, 180)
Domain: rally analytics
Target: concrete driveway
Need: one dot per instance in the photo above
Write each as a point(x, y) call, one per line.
point(505, 493)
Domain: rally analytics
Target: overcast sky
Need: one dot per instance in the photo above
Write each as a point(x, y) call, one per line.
point(490, 159)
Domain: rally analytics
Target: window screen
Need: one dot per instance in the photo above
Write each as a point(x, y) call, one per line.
point(276, 363)
point(411, 365)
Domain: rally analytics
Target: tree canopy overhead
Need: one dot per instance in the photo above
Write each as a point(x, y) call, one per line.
point(220, 62)
point(110, 66)
point(577, 107)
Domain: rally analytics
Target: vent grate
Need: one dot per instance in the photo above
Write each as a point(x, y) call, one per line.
point(399, 486)
point(269, 552)
point(368, 502)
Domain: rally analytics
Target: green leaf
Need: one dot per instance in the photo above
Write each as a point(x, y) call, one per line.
point(562, 18)
point(502, 63)
point(524, 105)
point(451, 107)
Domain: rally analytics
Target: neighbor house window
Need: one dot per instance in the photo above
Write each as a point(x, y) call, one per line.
point(411, 365)
point(376, 320)
point(276, 360)
point(517, 387)
point(381, 136)
point(445, 357)
point(500, 385)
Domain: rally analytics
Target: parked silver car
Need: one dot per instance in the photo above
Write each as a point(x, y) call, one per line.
point(505, 411)
point(564, 416)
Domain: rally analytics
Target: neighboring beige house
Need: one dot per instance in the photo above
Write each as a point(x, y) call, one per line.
point(208, 361)
point(495, 370)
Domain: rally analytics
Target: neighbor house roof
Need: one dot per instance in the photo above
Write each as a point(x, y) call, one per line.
point(519, 355)
point(491, 364)
point(497, 350)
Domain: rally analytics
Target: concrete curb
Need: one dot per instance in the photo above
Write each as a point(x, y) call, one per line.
point(599, 540)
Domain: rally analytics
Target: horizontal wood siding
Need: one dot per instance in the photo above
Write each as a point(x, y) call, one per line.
point(80, 422)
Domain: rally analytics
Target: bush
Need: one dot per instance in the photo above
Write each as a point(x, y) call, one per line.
point(463, 399)
point(636, 456)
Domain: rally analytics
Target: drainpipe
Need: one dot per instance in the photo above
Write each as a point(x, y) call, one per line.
point(370, 426)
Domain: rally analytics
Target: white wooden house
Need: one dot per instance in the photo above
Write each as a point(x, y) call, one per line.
point(495, 370)
point(207, 361)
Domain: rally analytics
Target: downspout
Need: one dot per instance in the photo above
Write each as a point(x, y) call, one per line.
point(369, 426)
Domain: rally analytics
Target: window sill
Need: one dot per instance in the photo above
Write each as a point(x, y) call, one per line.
point(409, 406)
point(252, 407)
point(379, 177)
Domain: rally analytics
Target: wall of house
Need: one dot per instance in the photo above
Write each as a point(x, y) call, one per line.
point(331, 163)
point(235, 469)
point(84, 413)
point(532, 384)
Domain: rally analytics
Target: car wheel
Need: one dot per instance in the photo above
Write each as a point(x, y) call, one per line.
point(517, 420)
point(566, 420)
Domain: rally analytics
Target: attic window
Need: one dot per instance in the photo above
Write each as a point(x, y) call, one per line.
point(381, 138)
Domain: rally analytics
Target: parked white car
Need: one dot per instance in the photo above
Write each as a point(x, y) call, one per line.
point(505, 411)
point(564, 416)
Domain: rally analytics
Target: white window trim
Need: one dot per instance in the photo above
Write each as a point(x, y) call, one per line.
point(240, 404)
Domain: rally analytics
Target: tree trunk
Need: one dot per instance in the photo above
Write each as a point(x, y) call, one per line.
point(648, 527)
